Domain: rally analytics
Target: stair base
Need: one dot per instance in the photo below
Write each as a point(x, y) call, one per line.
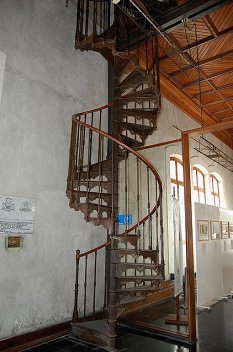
point(95, 332)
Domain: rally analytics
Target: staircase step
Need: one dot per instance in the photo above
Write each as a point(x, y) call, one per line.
point(147, 94)
point(106, 185)
point(145, 113)
point(92, 196)
point(94, 331)
point(103, 165)
point(133, 80)
point(130, 142)
point(137, 289)
point(84, 175)
point(142, 278)
point(121, 267)
point(132, 239)
point(128, 300)
point(142, 130)
point(105, 222)
point(122, 252)
point(87, 208)
point(127, 65)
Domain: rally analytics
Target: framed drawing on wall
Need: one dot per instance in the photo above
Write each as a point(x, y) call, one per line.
point(203, 230)
point(215, 230)
point(225, 230)
point(231, 229)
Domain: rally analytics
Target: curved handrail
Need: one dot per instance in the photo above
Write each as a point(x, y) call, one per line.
point(93, 110)
point(138, 155)
point(78, 255)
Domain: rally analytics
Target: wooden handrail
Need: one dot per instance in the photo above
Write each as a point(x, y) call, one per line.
point(93, 110)
point(78, 255)
point(138, 155)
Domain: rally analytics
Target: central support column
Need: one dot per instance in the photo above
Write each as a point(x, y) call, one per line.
point(189, 239)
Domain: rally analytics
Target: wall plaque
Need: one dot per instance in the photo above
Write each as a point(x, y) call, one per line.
point(13, 242)
point(16, 215)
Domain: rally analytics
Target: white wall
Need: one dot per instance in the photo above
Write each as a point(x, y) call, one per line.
point(45, 82)
point(171, 116)
point(214, 258)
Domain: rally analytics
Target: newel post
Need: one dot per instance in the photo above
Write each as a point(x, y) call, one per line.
point(75, 312)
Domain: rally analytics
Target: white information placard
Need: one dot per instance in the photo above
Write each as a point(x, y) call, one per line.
point(17, 215)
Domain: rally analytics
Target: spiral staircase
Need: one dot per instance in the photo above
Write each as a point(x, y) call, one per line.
point(109, 176)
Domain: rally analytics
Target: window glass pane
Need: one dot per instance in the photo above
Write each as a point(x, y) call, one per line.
point(180, 172)
point(195, 196)
point(200, 180)
point(212, 199)
point(181, 194)
point(194, 178)
point(173, 169)
point(211, 184)
point(216, 201)
point(215, 183)
point(174, 190)
point(202, 197)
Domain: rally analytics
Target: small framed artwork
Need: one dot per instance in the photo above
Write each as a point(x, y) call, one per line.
point(13, 242)
point(203, 230)
point(225, 230)
point(231, 229)
point(215, 230)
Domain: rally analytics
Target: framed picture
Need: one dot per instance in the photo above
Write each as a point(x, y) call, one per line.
point(203, 230)
point(231, 229)
point(225, 230)
point(215, 230)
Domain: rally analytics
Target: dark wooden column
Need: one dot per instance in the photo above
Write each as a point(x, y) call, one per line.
point(189, 240)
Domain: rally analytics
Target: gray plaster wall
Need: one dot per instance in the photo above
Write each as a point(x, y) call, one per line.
point(169, 117)
point(45, 81)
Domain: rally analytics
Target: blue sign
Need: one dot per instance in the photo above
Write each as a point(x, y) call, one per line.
point(123, 219)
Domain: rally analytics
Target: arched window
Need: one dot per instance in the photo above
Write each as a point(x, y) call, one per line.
point(199, 185)
point(215, 190)
point(177, 178)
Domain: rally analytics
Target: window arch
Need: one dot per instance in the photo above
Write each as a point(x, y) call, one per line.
point(215, 190)
point(177, 178)
point(199, 185)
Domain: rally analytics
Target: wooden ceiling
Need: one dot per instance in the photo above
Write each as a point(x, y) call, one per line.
point(206, 66)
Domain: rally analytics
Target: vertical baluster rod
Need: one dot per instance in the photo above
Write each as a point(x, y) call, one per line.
point(85, 288)
point(78, 19)
point(87, 17)
point(81, 16)
point(138, 200)
point(72, 159)
point(95, 17)
point(157, 215)
point(126, 192)
point(148, 207)
point(75, 312)
point(94, 284)
point(101, 17)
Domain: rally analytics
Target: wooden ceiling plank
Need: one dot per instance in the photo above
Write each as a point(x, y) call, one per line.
point(208, 78)
point(203, 62)
point(230, 85)
point(210, 26)
point(208, 39)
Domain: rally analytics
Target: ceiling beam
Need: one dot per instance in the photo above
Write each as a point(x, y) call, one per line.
point(221, 126)
point(208, 78)
point(226, 86)
point(192, 9)
point(191, 108)
point(203, 62)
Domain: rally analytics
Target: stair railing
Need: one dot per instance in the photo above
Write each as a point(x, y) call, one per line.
point(94, 298)
point(92, 183)
point(94, 20)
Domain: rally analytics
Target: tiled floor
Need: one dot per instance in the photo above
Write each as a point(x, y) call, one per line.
point(215, 334)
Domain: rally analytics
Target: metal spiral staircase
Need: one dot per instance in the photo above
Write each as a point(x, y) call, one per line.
point(108, 176)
